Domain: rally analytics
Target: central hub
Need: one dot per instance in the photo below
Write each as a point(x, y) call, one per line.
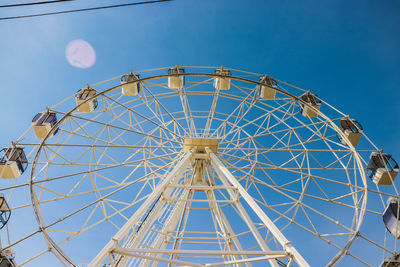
point(199, 144)
point(200, 157)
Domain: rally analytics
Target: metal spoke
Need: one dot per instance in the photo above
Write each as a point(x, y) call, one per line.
point(141, 172)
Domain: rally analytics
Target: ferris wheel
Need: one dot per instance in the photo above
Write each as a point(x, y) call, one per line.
point(196, 166)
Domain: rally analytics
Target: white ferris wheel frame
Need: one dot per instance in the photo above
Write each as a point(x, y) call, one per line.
point(231, 185)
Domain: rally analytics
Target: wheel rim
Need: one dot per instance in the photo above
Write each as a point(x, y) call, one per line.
point(294, 150)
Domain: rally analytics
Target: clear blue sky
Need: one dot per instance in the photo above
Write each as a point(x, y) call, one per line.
point(348, 52)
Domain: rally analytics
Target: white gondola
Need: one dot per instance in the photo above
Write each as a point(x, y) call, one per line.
point(382, 169)
point(267, 90)
point(130, 84)
point(313, 101)
point(82, 96)
point(176, 81)
point(13, 162)
point(393, 261)
point(5, 211)
point(43, 122)
point(352, 129)
point(391, 217)
point(7, 258)
point(222, 83)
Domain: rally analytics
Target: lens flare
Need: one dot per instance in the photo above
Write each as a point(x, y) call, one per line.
point(80, 54)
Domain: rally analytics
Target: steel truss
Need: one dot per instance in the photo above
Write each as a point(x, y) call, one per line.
point(127, 243)
point(121, 171)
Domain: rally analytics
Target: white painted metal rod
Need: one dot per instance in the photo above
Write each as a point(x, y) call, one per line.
point(127, 227)
point(198, 252)
point(222, 170)
point(226, 263)
point(158, 259)
point(202, 187)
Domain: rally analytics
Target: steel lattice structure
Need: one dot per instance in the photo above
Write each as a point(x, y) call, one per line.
point(196, 176)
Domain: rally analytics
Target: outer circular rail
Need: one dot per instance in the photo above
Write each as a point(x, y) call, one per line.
point(61, 255)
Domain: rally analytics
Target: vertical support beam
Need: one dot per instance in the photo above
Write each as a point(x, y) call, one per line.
point(245, 216)
point(224, 172)
point(159, 209)
point(178, 171)
point(225, 226)
point(173, 219)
